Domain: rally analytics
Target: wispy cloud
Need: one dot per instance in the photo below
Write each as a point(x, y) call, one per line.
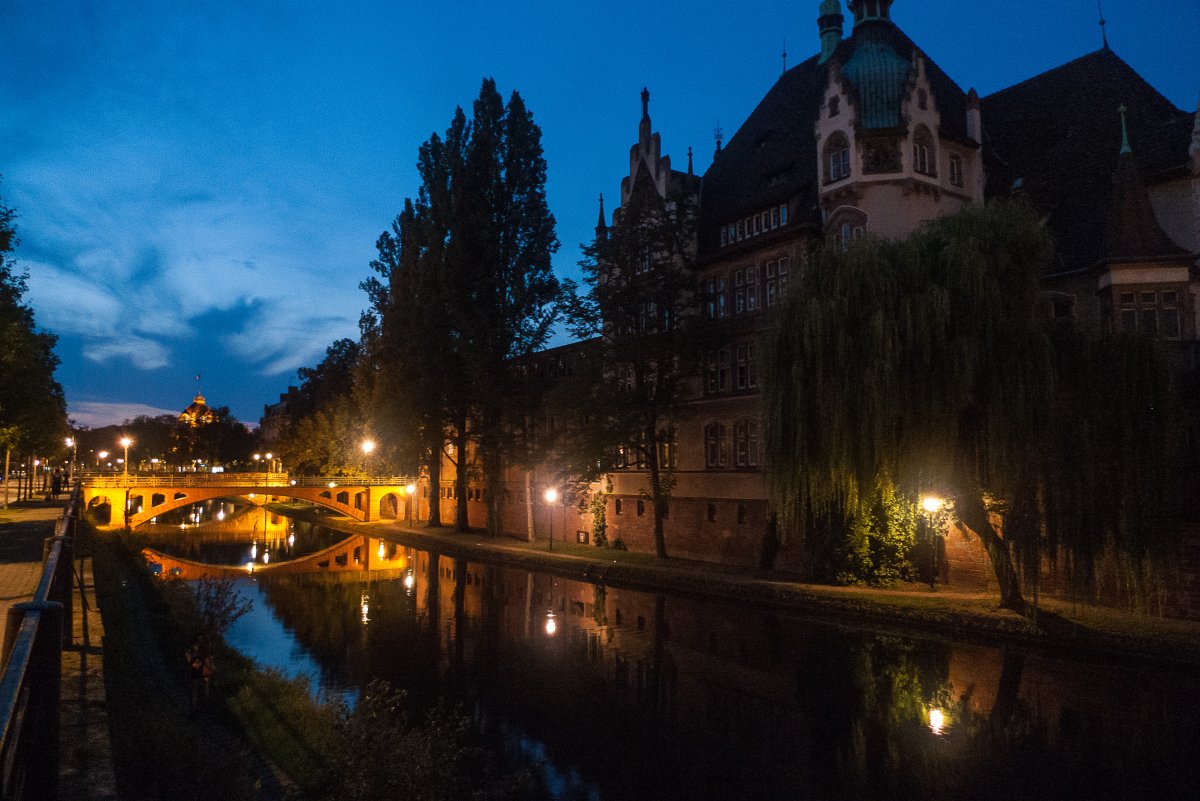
point(94, 414)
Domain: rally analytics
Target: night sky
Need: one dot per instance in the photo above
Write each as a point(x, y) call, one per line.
point(200, 185)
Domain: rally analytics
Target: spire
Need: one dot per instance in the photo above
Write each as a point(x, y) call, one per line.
point(1133, 232)
point(689, 166)
point(829, 22)
point(719, 135)
point(1103, 32)
point(601, 225)
point(645, 103)
point(1125, 148)
point(785, 55)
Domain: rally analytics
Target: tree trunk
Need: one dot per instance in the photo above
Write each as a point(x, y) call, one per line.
point(493, 469)
point(435, 486)
point(461, 521)
point(972, 513)
point(656, 494)
point(528, 507)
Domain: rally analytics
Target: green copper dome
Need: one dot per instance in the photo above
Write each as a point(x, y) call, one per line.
point(878, 74)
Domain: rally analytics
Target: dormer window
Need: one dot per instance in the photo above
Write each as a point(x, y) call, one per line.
point(837, 158)
point(924, 154)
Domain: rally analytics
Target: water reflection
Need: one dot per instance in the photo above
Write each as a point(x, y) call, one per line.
point(619, 694)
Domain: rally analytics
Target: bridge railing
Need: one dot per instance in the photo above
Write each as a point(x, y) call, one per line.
point(255, 480)
point(31, 685)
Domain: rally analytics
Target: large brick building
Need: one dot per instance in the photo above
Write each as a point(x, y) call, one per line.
point(870, 137)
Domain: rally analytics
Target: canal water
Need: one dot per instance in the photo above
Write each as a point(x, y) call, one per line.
point(609, 693)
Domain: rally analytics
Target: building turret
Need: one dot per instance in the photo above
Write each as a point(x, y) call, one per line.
point(829, 22)
point(867, 10)
point(601, 224)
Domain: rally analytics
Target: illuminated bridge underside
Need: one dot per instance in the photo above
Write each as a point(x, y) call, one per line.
point(148, 497)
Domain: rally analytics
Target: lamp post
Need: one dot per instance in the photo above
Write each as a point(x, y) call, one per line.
point(125, 443)
point(368, 447)
point(410, 490)
point(932, 504)
point(551, 496)
point(74, 446)
point(257, 458)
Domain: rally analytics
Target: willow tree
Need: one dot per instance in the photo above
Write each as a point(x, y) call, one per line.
point(931, 362)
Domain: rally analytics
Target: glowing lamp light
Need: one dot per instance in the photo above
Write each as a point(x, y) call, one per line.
point(126, 442)
point(551, 622)
point(254, 550)
point(266, 557)
point(931, 503)
point(409, 581)
point(291, 540)
point(551, 495)
point(103, 454)
point(937, 721)
point(250, 568)
point(382, 551)
point(410, 489)
point(332, 484)
point(293, 482)
point(368, 446)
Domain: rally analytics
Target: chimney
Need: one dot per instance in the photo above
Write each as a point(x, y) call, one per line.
point(974, 120)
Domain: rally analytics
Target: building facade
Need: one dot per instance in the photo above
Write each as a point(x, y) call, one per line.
point(869, 137)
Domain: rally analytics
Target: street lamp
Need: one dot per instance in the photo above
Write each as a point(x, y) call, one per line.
point(551, 496)
point(932, 505)
point(74, 446)
point(125, 443)
point(410, 489)
point(256, 457)
point(100, 457)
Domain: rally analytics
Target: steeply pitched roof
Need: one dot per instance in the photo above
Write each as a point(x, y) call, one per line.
point(773, 156)
point(1059, 134)
point(1132, 231)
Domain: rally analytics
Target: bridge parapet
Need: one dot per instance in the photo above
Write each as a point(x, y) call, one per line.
point(170, 480)
point(137, 499)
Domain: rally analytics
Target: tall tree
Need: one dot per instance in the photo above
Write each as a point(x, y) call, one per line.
point(326, 425)
point(466, 287)
point(641, 303)
point(502, 261)
point(32, 406)
point(931, 362)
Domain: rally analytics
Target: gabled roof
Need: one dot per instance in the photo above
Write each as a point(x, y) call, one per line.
point(1132, 231)
point(1059, 134)
point(772, 158)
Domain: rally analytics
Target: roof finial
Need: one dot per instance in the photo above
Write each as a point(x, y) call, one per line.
point(689, 159)
point(1125, 148)
point(645, 102)
point(1103, 32)
point(601, 225)
point(719, 135)
point(785, 54)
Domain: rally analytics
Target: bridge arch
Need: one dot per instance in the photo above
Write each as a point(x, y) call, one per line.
point(166, 493)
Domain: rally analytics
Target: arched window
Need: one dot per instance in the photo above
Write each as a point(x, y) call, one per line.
point(837, 158)
point(846, 225)
point(924, 152)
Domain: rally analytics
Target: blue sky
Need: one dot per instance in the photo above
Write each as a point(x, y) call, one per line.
point(200, 185)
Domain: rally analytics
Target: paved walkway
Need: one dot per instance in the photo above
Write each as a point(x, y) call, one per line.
point(85, 751)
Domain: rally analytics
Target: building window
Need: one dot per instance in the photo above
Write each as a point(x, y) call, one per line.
point(837, 158)
point(956, 170)
point(924, 153)
point(712, 512)
point(745, 438)
point(774, 218)
point(783, 215)
point(617, 506)
point(723, 241)
point(834, 106)
point(723, 369)
point(1150, 312)
point(668, 447)
point(752, 288)
point(641, 508)
point(722, 308)
point(716, 453)
point(742, 514)
point(922, 99)
point(745, 375)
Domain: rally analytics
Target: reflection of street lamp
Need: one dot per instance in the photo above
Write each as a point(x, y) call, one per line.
point(932, 505)
point(551, 623)
point(100, 457)
point(937, 720)
point(551, 496)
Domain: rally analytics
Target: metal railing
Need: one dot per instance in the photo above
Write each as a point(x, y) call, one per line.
point(31, 685)
point(181, 480)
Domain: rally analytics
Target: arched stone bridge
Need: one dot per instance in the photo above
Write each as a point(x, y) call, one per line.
point(148, 496)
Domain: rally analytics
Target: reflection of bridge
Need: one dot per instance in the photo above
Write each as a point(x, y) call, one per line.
point(354, 555)
point(148, 496)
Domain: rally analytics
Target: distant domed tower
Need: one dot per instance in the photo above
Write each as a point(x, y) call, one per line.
point(198, 414)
